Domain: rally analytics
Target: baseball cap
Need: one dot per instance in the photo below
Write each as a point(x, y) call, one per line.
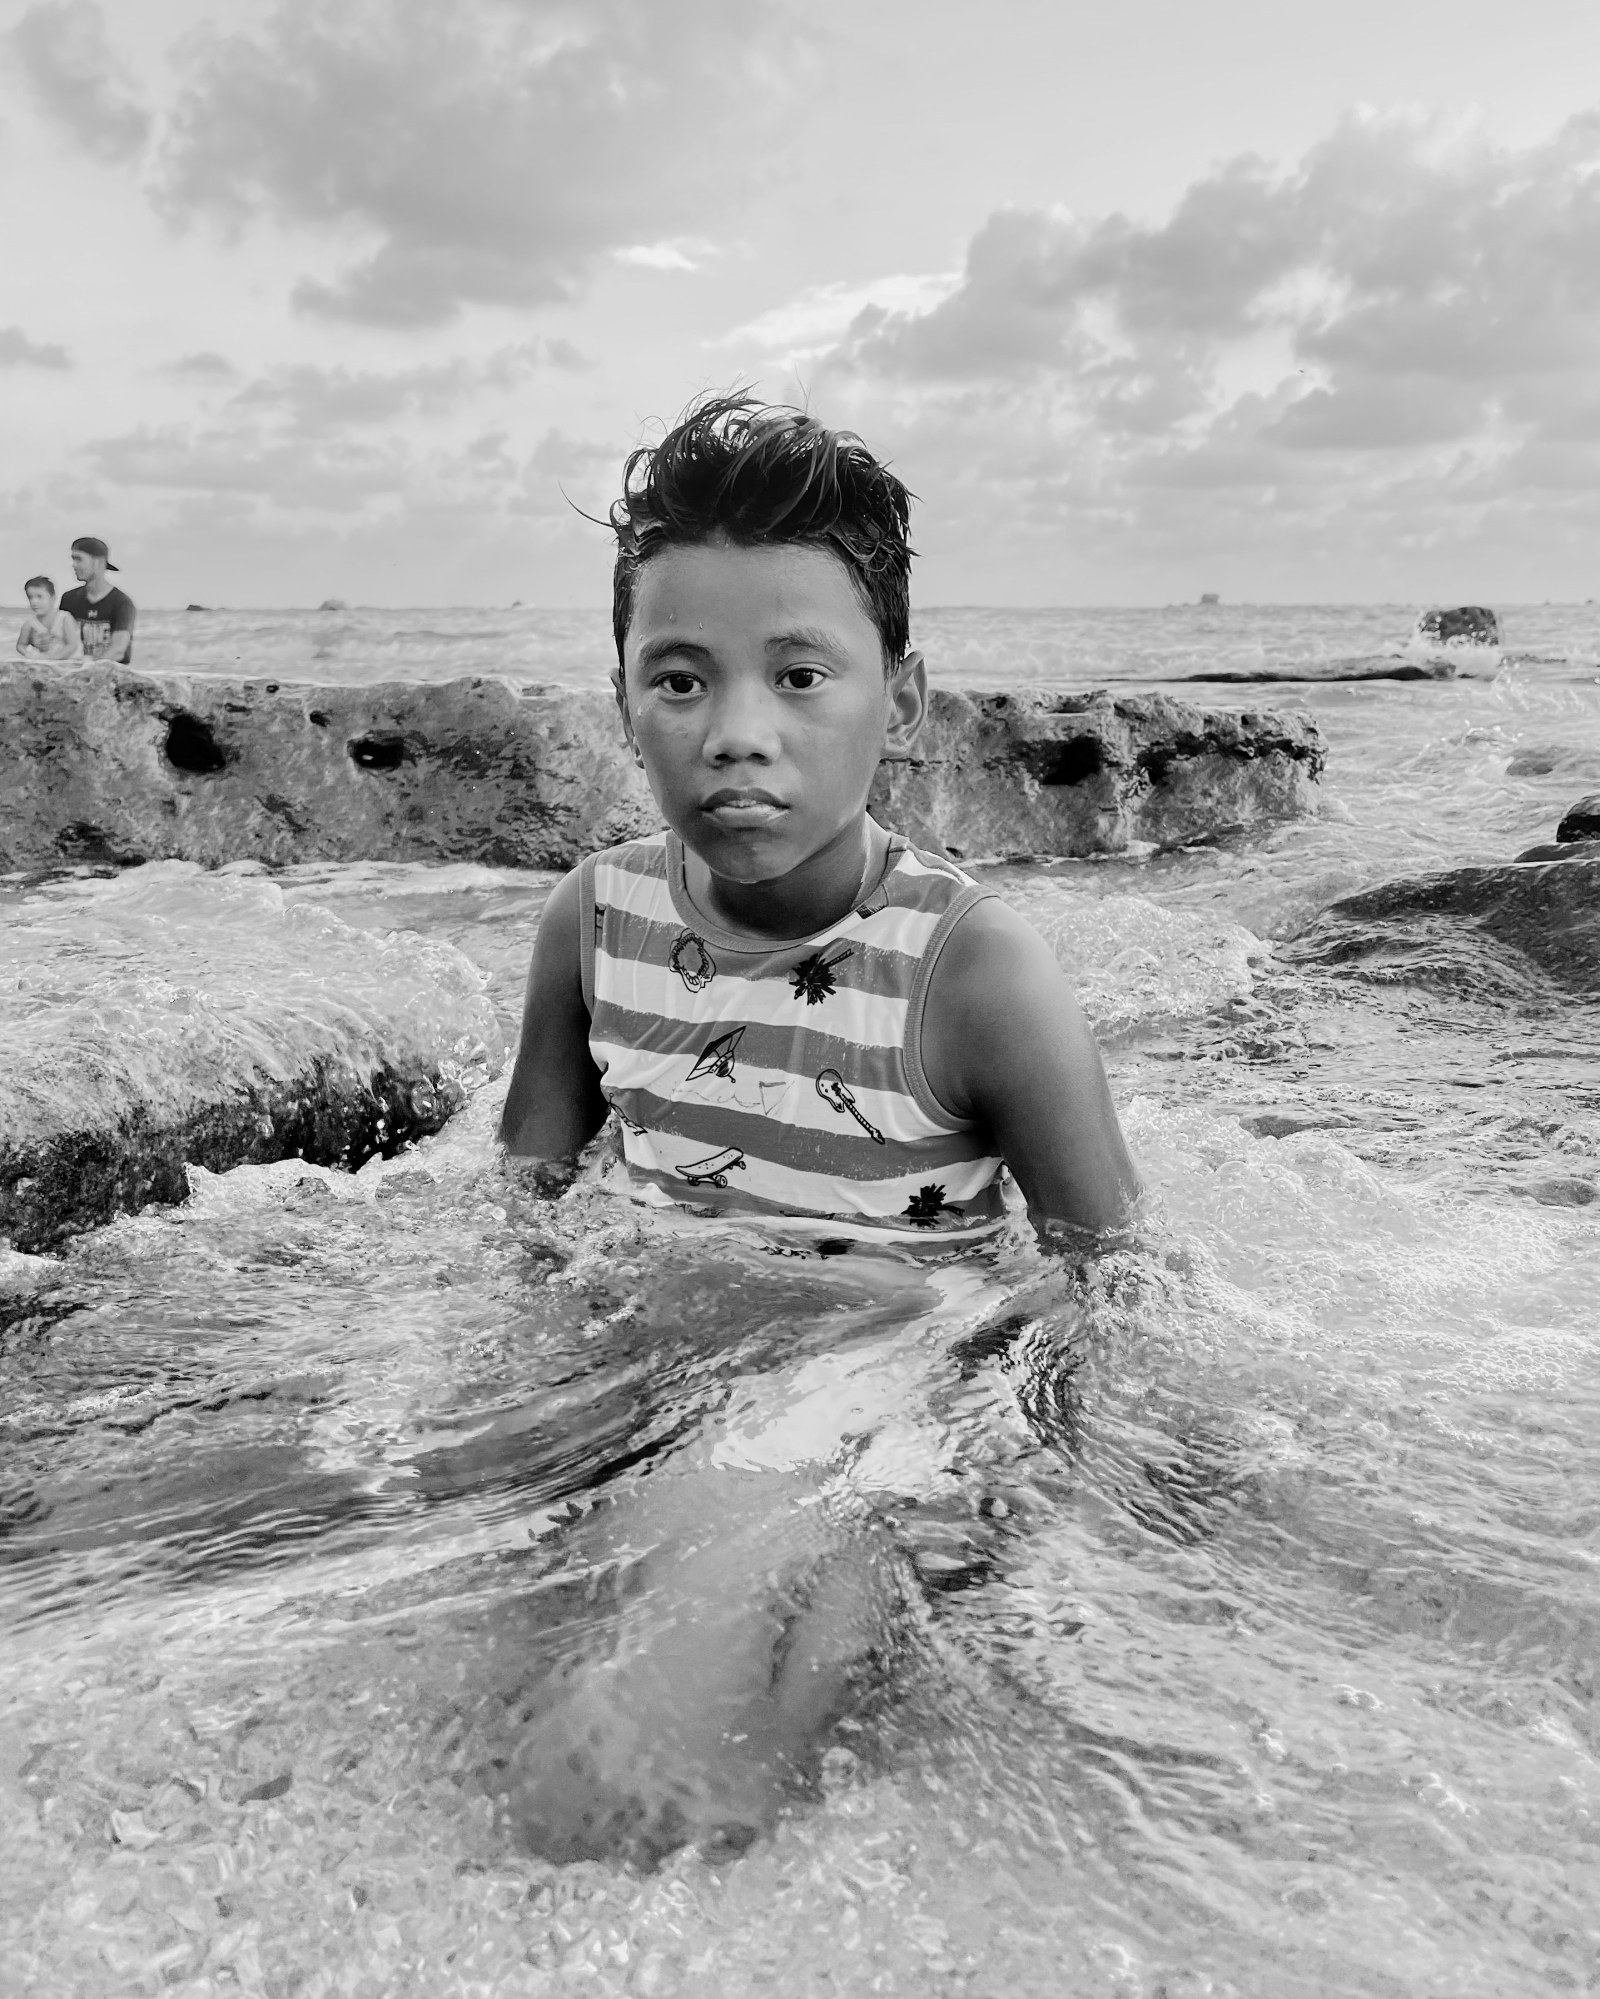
point(91, 544)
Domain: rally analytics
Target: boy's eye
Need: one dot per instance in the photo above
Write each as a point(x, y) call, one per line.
point(801, 678)
point(678, 682)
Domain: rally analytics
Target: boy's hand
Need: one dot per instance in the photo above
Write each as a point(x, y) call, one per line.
point(1004, 1042)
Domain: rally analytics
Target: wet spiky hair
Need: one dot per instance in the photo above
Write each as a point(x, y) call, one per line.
point(756, 474)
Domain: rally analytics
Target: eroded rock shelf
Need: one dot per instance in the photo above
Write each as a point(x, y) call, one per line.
point(105, 765)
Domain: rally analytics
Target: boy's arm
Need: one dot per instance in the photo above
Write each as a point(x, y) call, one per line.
point(1004, 1042)
point(23, 638)
point(554, 1106)
point(72, 638)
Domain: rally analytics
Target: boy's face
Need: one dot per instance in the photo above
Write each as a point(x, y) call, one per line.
point(40, 600)
point(753, 686)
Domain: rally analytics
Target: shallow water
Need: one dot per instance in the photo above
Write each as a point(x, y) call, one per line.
point(1224, 1621)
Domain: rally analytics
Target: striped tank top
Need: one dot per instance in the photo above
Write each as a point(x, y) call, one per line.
point(782, 1080)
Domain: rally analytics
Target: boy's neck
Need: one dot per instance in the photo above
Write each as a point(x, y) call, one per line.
point(809, 898)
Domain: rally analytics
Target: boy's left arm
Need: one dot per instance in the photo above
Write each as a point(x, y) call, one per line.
point(1004, 1042)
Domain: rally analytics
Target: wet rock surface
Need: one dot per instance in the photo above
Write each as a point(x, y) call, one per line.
point(1576, 836)
point(1458, 624)
point(56, 1185)
point(100, 764)
point(1460, 926)
point(1091, 773)
point(107, 766)
point(171, 1017)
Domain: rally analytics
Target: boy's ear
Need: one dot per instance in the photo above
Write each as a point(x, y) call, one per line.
point(619, 688)
point(908, 707)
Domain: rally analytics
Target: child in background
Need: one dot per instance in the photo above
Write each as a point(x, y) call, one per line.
point(48, 632)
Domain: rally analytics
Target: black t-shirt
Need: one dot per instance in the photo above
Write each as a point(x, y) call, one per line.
point(97, 622)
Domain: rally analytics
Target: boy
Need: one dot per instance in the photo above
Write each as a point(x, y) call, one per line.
point(792, 1012)
point(46, 631)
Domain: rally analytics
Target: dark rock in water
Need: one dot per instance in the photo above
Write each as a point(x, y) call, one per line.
point(333, 604)
point(1091, 774)
point(103, 764)
point(197, 607)
point(1579, 827)
point(1462, 624)
point(1420, 928)
point(172, 1017)
point(60, 1185)
point(1209, 597)
point(1399, 669)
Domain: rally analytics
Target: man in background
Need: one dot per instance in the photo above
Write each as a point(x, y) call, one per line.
point(103, 613)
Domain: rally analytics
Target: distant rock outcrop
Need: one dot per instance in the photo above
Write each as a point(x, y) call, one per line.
point(1459, 625)
point(333, 604)
point(102, 764)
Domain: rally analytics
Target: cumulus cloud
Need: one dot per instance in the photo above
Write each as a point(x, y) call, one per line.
point(18, 351)
point(204, 367)
point(491, 151)
point(61, 47)
point(315, 399)
point(1410, 310)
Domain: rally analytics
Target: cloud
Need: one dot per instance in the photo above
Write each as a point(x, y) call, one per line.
point(320, 400)
point(62, 48)
point(492, 151)
point(819, 317)
point(1407, 319)
point(307, 457)
point(204, 367)
point(18, 351)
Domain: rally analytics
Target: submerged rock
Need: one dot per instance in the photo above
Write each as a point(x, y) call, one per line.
point(1579, 828)
point(172, 1017)
point(1470, 927)
point(101, 764)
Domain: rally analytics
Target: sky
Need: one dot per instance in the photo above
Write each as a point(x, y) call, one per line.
point(371, 298)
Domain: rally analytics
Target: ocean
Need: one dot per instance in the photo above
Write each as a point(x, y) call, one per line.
point(1235, 1605)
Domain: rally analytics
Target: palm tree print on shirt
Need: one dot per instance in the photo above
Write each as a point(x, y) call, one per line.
point(927, 1204)
point(812, 979)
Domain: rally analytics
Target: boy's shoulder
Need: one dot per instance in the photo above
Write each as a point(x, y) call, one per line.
point(645, 855)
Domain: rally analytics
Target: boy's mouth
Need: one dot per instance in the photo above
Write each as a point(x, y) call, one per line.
point(742, 808)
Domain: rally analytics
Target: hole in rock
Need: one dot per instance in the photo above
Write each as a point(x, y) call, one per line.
point(1071, 762)
point(318, 717)
point(379, 752)
point(191, 746)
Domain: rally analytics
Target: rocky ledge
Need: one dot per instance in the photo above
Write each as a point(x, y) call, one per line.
point(172, 1016)
point(105, 765)
point(1434, 928)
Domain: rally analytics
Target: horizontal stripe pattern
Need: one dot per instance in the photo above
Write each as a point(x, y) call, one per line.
point(774, 1079)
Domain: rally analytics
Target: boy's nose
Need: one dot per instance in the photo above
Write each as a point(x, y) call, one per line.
point(742, 728)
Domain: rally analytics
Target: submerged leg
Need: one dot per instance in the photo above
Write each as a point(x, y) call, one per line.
point(748, 1636)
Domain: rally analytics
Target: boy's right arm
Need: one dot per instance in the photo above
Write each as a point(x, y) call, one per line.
point(554, 1106)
